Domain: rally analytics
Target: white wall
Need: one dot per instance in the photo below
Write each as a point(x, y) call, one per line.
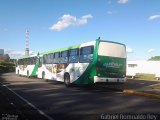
point(150, 67)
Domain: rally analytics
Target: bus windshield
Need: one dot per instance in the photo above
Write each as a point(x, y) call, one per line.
point(112, 50)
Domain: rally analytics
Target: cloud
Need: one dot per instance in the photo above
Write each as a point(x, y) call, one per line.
point(109, 2)
point(129, 50)
point(68, 20)
point(14, 54)
point(151, 50)
point(154, 17)
point(123, 1)
point(109, 12)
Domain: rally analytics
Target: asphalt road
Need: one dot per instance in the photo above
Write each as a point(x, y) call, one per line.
point(34, 99)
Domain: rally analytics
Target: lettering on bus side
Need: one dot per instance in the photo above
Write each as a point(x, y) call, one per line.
point(112, 65)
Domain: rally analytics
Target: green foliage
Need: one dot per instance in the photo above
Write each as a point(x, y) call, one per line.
point(143, 76)
point(5, 58)
point(155, 58)
point(6, 67)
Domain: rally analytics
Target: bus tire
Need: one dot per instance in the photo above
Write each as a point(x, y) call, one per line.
point(18, 73)
point(43, 75)
point(28, 74)
point(67, 80)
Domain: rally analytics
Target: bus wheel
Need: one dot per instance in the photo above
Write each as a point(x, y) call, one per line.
point(18, 73)
point(67, 80)
point(28, 74)
point(43, 76)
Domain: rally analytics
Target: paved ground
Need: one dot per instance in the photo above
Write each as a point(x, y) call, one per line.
point(53, 101)
point(148, 88)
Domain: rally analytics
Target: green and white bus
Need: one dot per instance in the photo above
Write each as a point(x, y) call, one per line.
point(28, 66)
point(86, 63)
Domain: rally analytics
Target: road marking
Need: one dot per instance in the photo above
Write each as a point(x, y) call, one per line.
point(155, 96)
point(30, 104)
point(135, 92)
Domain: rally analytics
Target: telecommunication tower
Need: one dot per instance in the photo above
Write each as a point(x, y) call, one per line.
point(27, 43)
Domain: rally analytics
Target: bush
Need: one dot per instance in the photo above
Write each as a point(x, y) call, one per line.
point(7, 67)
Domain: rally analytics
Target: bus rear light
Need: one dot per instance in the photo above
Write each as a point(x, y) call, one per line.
point(99, 74)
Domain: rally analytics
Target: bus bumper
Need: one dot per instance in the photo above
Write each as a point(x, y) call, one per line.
point(102, 79)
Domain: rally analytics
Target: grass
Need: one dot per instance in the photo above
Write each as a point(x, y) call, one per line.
point(143, 76)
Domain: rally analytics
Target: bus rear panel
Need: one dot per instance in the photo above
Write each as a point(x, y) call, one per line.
point(111, 62)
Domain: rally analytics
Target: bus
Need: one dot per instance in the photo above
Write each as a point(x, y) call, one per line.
point(85, 64)
point(28, 66)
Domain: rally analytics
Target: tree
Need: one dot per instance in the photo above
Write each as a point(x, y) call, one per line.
point(4, 57)
point(155, 58)
point(6, 65)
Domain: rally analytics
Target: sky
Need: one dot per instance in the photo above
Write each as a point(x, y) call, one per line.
point(56, 24)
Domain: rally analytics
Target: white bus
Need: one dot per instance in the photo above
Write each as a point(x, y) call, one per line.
point(86, 63)
point(28, 66)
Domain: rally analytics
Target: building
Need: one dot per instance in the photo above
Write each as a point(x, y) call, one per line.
point(148, 67)
point(4, 57)
point(1, 52)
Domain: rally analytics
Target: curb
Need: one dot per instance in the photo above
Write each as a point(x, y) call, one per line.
point(155, 96)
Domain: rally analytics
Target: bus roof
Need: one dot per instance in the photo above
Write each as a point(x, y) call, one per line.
point(67, 48)
point(75, 46)
point(61, 49)
point(27, 57)
point(112, 42)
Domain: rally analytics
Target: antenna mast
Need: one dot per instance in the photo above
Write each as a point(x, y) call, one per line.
point(27, 43)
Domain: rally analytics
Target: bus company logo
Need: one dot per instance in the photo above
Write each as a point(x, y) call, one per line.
point(112, 65)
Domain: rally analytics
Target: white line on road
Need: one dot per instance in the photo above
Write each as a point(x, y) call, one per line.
point(33, 106)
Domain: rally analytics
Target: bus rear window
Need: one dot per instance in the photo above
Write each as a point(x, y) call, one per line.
point(112, 50)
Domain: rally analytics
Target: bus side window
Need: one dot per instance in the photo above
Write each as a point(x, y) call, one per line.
point(25, 61)
point(19, 62)
point(34, 61)
point(44, 59)
point(39, 62)
point(74, 55)
point(49, 58)
point(86, 54)
point(64, 57)
point(56, 57)
point(52, 57)
point(29, 61)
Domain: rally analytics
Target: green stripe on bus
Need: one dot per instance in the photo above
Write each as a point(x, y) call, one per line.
point(62, 49)
point(35, 69)
point(90, 72)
